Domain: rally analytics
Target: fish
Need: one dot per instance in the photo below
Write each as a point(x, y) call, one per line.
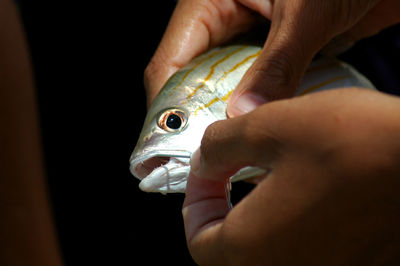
point(195, 97)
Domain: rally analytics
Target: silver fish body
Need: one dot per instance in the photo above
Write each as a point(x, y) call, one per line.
point(195, 97)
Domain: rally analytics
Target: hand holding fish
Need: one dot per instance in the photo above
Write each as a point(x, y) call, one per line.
point(332, 194)
point(299, 29)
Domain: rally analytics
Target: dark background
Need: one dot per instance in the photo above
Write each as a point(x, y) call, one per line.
point(88, 60)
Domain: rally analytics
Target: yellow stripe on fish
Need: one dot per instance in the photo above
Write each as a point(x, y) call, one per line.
point(212, 70)
point(226, 73)
point(195, 97)
point(241, 63)
point(211, 55)
point(324, 83)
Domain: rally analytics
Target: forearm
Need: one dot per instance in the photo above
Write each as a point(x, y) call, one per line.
point(26, 230)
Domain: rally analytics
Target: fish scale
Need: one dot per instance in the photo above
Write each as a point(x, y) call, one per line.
point(198, 95)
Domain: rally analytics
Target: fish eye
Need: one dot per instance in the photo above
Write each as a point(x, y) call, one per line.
point(172, 120)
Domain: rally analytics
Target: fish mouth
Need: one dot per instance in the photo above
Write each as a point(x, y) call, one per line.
point(161, 171)
point(143, 168)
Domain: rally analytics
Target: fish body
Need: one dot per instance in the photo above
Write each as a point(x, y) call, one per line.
point(197, 96)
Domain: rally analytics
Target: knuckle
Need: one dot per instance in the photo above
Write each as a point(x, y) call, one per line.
point(278, 71)
point(261, 138)
point(222, 141)
point(149, 72)
point(210, 140)
point(250, 134)
point(160, 68)
point(255, 139)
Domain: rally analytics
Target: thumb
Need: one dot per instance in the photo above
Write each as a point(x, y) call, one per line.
point(291, 44)
point(226, 147)
point(229, 145)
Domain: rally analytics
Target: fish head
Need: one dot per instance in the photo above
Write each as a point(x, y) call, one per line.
point(191, 99)
point(170, 134)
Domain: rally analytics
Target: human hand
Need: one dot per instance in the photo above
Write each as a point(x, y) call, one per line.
point(299, 29)
point(332, 194)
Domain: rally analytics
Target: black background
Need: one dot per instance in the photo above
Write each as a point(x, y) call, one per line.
point(89, 59)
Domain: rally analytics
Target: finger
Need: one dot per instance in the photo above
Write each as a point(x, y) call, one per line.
point(383, 15)
point(246, 136)
point(195, 26)
point(203, 211)
point(263, 7)
point(298, 32)
point(277, 71)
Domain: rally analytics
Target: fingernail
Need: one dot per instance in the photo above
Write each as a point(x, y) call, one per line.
point(195, 161)
point(245, 103)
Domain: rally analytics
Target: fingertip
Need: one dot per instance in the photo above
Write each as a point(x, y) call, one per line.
point(244, 103)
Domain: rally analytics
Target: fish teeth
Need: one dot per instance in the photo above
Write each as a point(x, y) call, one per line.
point(170, 177)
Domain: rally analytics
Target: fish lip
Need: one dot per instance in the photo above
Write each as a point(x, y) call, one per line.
point(135, 160)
